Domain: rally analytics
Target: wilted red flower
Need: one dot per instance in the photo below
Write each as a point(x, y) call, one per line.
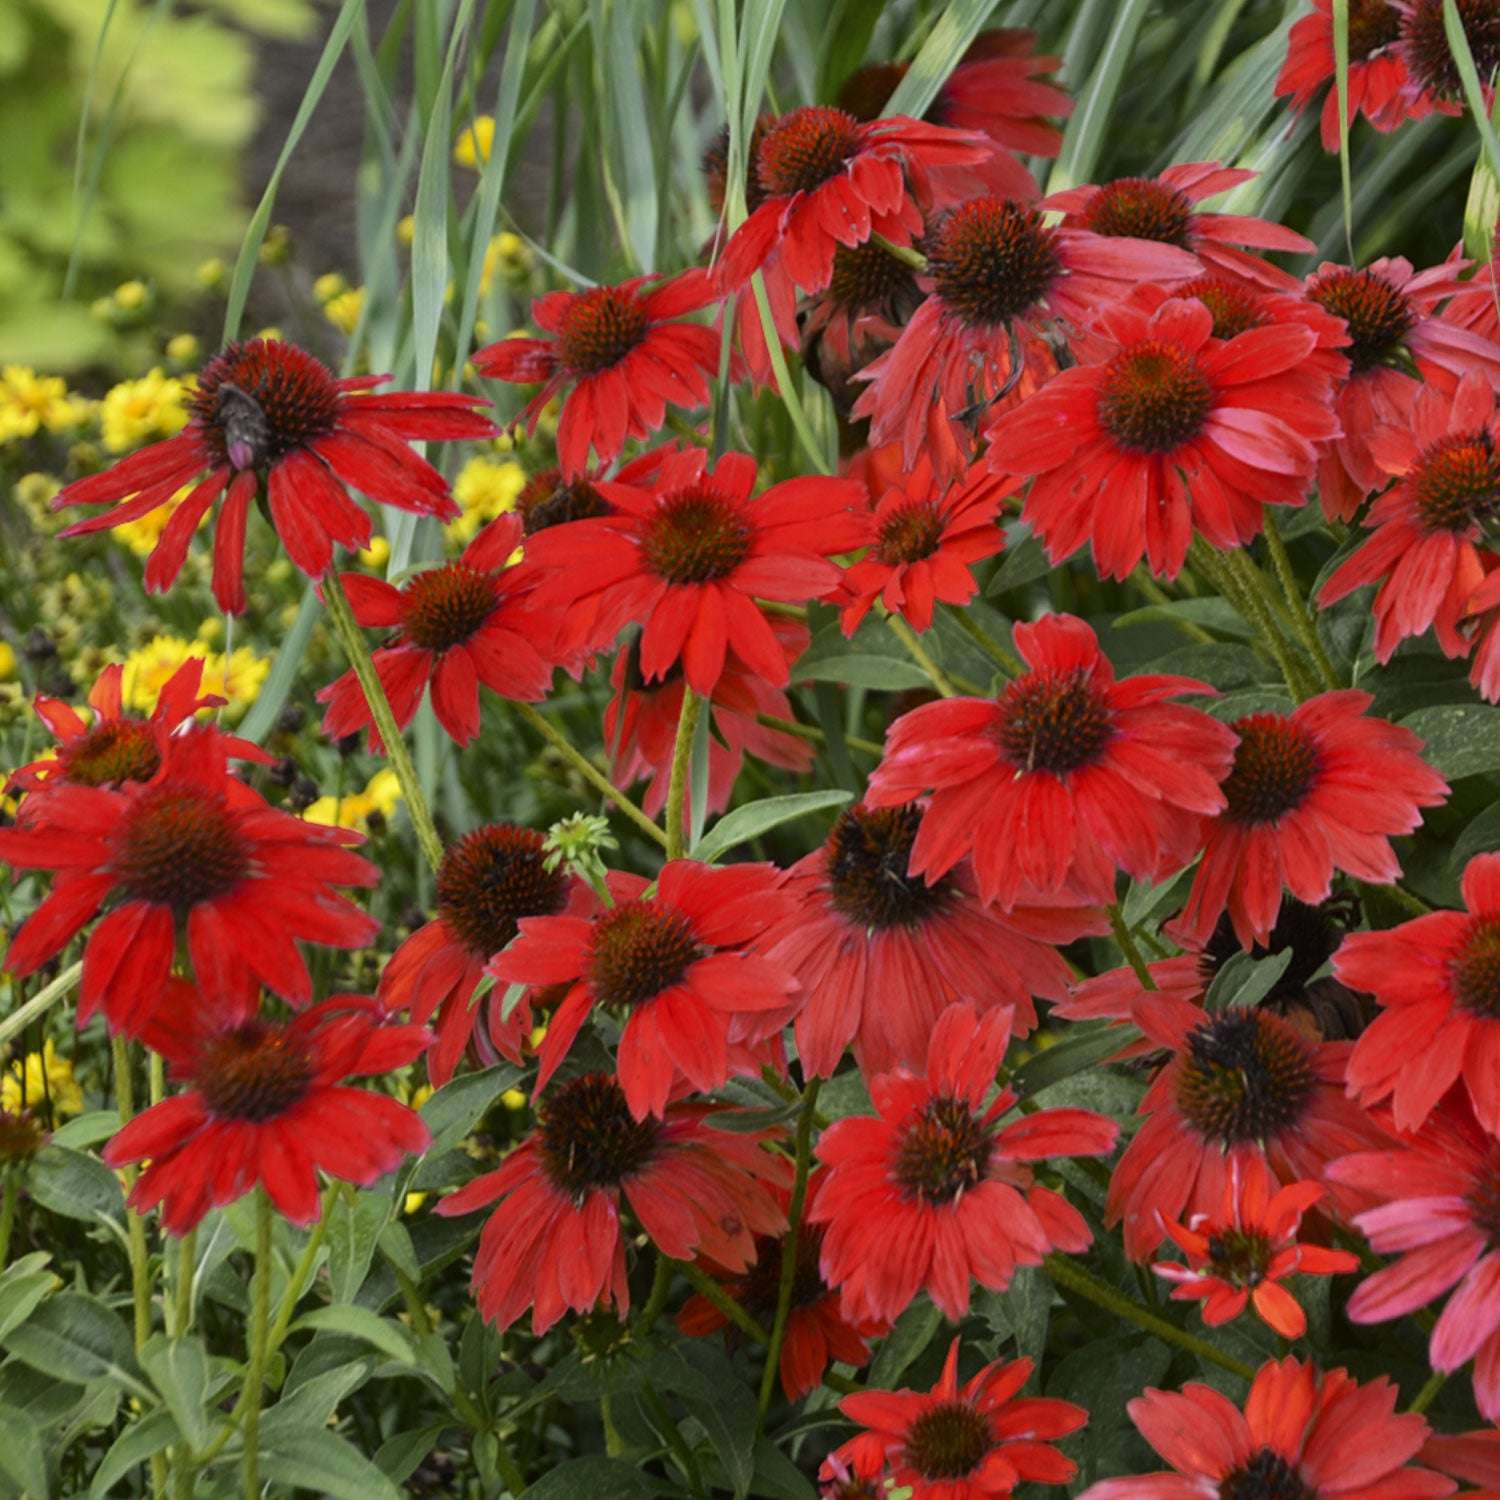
point(932, 1191)
point(673, 963)
point(996, 278)
point(926, 535)
point(1438, 979)
point(1320, 789)
point(816, 1330)
point(977, 1441)
point(624, 351)
point(456, 626)
point(880, 954)
point(827, 180)
point(191, 855)
point(1164, 429)
point(1164, 208)
point(489, 880)
point(688, 557)
point(1239, 1256)
point(1304, 1434)
point(1068, 776)
point(1439, 1214)
point(554, 1240)
point(1240, 1085)
point(1379, 86)
point(268, 417)
point(264, 1103)
point(1425, 552)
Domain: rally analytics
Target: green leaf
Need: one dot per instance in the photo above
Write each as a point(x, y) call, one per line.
point(23, 1285)
point(360, 1323)
point(400, 1456)
point(456, 1108)
point(755, 818)
point(324, 1463)
point(911, 1335)
point(131, 1449)
point(285, 670)
point(180, 1370)
point(700, 1375)
point(1084, 137)
point(1461, 739)
point(1215, 614)
point(21, 1455)
point(313, 1402)
point(75, 1185)
point(1245, 980)
point(830, 658)
point(1463, 57)
point(597, 1479)
point(777, 1476)
point(76, 1337)
point(353, 1233)
point(87, 1129)
point(1085, 1044)
point(1480, 837)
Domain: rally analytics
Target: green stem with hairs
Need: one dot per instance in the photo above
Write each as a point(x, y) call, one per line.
point(712, 1292)
point(1222, 574)
point(1126, 944)
point(135, 1225)
point(682, 761)
point(352, 639)
point(816, 736)
point(1302, 620)
point(45, 997)
point(919, 654)
point(656, 1300)
point(182, 1300)
point(1000, 654)
point(260, 1344)
point(302, 1271)
point(1143, 580)
point(906, 254)
point(8, 1216)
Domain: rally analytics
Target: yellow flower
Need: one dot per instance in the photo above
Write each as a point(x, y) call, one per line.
point(29, 402)
point(237, 679)
point(210, 274)
point(329, 285)
point(343, 311)
point(184, 348)
point(7, 662)
point(131, 295)
point(508, 256)
point(406, 229)
point(416, 1098)
point(485, 489)
point(46, 1076)
point(142, 534)
point(381, 794)
point(270, 332)
point(377, 554)
point(474, 145)
point(140, 411)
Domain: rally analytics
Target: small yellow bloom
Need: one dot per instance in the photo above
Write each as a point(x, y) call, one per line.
point(507, 256)
point(514, 1099)
point(269, 332)
point(381, 794)
point(329, 285)
point(406, 229)
point(29, 402)
point(237, 679)
point(474, 145)
point(485, 489)
point(210, 274)
point(377, 554)
point(7, 662)
point(140, 411)
point(211, 630)
point(131, 295)
point(142, 534)
point(45, 1075)
point(184, 348)
point(344, 310)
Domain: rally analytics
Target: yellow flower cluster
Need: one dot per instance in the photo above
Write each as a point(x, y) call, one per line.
point(43, 1075)
point(473, 147)
point(142, 534)
point(507, 256)
point(30, 402)
point(485, 488)
point(380, 795)
point(142, 411)
point(236, 678)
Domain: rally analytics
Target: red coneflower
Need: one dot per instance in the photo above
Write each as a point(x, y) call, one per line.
point(489, 880)
point(996, 278)
point(880, 954)
point(1425, 551)
point(1320, 789)
point(1164, 208)
point(455, 626)
point(1481, 626)
point(977, 1441)
point(827, 180)
point(1391, 313)
point(191, 855)
point(269, 418)
point(674, 963)
point(1304, 1434)
point(817, 1332)
point(1379, 86)
point(1438, 979)
point(1238, 306)
point(932, 1191)
point(1470, 1456)
point(1439, 1213)
point(1164, 429)
point(264, 1103)
point(1430, 64)
point(554, 1240)
point(688, 557)
point(926, 536)
point(1240, 1086)
point(1239, 1256)
point(1068, 776)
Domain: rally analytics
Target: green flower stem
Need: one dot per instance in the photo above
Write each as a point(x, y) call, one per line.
point(589, 771)
point(789, 1246)
point(1126, 944)
point(904, 253)
point(1147, 585)
point(352, 639)
point(1266, 612)
point(8, 1216)
point(187, 1265)
point(1221, 573)
point(816, 736)
point(47, 996)
point(1000, 654)
point(661, 1281)
point(260, 1344)
point(1072, 1277)
point(682, 760)
point(135, 1225)
point(710, 1289)
point(302, 1271)
point(1302, 620)
point(1428, 1394)
point(919, 654)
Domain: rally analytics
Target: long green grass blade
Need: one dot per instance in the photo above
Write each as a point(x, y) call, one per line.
point(1084, 137)
point(1463, 56)
point(947, 42)
point(1341, 92)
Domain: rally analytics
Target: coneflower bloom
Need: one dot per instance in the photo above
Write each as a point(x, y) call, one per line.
point(1238, 306)
point(927, 534)
point(268, 417)
point(554, 1240)
point(1239, 1086)
point(454, 627)
point(817, 1332)
point(1067, 777)
point(1391, 313)
point(1164, 430)
point(827, 180)
point(674, 963)
point(1379, 86)
point(1427, 545)
point(1471, 1456)
point(996, 278)
point(688, 557)
point(1320, 789)
point(881, 954)
point(190, 856)
point(1430, 64)
point(1437, 979)
point(1481, 627)
point(264, 1103)
point(1165, 208)
point(1304, 1434)
point(933, 1190)
point(975, 1441)
point(1439, 1213)
point(623, 353)
point(489, 880)
point(1239, 1256)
